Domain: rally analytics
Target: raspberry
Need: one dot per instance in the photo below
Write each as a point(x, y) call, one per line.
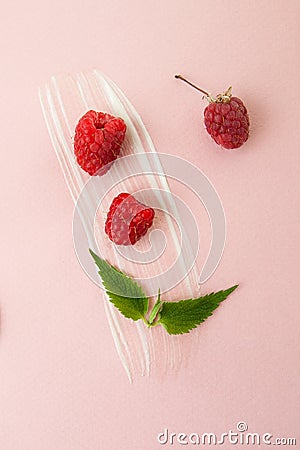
point(226, 118)
point(227, 123)
point(98, 140)
point(127, 220)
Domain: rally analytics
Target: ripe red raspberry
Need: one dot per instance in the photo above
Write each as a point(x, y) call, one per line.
point(97, 142)
point(127, 220)
point(226, 118)
point(227, 123)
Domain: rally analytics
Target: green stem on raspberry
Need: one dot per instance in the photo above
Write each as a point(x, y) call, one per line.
point(180, 77)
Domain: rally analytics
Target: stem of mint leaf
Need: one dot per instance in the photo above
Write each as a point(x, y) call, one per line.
point(155, 310)
point(176, 317)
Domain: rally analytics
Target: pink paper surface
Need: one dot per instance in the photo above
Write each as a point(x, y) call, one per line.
point(62, 386)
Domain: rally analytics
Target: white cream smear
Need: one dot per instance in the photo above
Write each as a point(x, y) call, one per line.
point(64, 100)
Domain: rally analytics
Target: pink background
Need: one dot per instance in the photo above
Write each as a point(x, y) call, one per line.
point(62, 385)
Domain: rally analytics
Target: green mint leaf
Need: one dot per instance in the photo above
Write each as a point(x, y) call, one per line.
point(156, 309)
point(122, 290)
point(181, 317)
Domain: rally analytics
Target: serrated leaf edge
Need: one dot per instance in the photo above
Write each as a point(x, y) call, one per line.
point(227, 292)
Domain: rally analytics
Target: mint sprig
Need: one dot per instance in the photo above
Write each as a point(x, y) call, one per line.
point(176, 317)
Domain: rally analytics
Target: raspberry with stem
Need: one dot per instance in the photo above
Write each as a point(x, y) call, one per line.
point(225, 118)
